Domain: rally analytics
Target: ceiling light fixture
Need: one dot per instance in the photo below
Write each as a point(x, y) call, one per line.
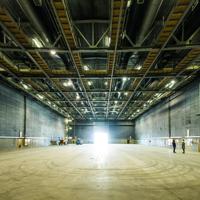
point(138, 67)
point(68, 83)
point(85, 67)
point(89, 83)
point(124, 79)
point(107, 41)
point(37, 42)
point(170, 84)
point(128, 3)
point(150, 101)
point(126, 93)
point(53, 52)
point(25, 86)
point(40, 96)
point(77, 97)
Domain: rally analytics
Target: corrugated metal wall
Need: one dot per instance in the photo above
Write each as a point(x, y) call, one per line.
point(11, 112)
point(40, 121)
point(177, 116)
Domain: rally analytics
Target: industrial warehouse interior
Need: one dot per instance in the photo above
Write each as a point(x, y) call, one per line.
point(99, 99)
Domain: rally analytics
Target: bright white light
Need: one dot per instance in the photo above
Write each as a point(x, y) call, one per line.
point(124, 79)
point(157, 95)
point(100, 138)
point(68, 83)
point(89, 83)
point(126, 93)
point(40, 96)
point(53, 52)
point(145, 105)
point(107, 41)
point(138, 67)
point(170, 84)
point(37, 43)
point(106, 83)
point(128, 3)
point(115, 102)
point(85, 67)
point(138, 110)
point(77, 97)
point(25, 86)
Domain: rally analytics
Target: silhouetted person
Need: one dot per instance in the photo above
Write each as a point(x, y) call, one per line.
point(174, 146)
point(183, 146)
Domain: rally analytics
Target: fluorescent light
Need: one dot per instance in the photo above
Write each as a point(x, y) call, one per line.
point(68, 120)
point(107, 41)
point(126, 93)
point(115, 102)
point(40, 96)
point(170, 84)
point(53, 52)
point(65, 84)
point(124, 79)
point(106, 83)
point(138, 110)
point(145, 105)
point(128, 3)
point(85, 67)
point(89, 83)
point(37, 43)
point(68, 83)
point(77, 97)
point(138, 67)
point(25, 86)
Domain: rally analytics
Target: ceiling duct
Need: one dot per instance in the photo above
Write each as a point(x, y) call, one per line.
point(28, 10)
point(148, 20)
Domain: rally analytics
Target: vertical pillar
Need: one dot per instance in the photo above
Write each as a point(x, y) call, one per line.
point(169, 119)
point(24, 132)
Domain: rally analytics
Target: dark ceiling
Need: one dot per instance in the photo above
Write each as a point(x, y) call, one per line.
point(99, 59)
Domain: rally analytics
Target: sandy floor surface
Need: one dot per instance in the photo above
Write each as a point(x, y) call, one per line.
point(90, 172)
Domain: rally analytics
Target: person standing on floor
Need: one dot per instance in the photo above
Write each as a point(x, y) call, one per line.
point(183, 146)
point(174, 145)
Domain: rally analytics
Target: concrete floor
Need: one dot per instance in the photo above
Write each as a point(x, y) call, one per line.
point(117, 172)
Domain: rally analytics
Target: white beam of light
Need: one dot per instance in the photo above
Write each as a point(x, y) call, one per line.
point(100, 138)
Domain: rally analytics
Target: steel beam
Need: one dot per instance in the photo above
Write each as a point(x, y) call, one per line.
point(61, 11)
point(163, 38)
point(25, 41)
point(94, 76)
point(102, 50)
point(106, 91)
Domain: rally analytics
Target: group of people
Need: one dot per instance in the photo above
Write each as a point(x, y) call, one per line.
point(174, 145)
